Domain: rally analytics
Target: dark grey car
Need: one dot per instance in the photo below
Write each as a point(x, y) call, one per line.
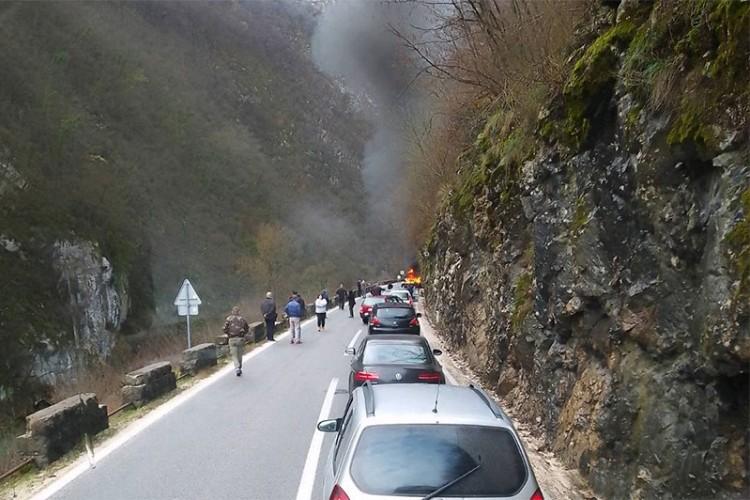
point(387, 359)
point(394, 318)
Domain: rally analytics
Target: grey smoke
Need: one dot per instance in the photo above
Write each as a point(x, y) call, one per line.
point(354, 43)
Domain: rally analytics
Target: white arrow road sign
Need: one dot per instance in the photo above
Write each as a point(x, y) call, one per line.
point(187, 303)
point(187, 297)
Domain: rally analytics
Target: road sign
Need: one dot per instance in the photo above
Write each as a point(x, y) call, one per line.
point(187, 298)
point(187, 302)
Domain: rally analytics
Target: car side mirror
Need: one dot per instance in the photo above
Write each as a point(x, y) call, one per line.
point(437, 352)
point(350, 351)
point(419, 315)
point(332, 425)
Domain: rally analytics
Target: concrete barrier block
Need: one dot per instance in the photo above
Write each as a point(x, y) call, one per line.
point(147, 373)
point(53, 431)
point(222, 339)
point(197, 358)
point(148, 383)
point(257, 331)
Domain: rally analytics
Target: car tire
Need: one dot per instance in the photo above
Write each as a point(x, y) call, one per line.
point(364, 321)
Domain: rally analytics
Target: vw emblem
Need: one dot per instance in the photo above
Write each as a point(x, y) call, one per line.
point(398, 376)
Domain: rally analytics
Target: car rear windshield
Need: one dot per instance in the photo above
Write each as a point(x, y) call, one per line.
point(418, 459)
point(374, 300)
point(394, 354)
point(394, 312)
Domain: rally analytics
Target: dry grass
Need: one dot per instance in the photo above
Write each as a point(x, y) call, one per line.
point(484, 56)
point(164, 343)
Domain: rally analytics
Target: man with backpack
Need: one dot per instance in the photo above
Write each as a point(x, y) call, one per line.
point(295, 311)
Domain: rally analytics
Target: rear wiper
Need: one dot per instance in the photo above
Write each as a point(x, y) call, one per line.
point(452, 482)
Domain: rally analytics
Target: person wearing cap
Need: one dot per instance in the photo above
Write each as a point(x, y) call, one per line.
point(268, 310)
point(236, 328)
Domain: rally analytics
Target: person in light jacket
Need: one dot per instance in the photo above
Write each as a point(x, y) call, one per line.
point(321, 306)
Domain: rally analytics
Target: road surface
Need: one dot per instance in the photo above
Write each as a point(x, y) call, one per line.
point(243, 437)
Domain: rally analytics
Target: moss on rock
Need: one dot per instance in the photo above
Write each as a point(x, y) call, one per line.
point(739, 243)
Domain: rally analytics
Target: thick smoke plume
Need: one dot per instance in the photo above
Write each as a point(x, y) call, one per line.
point(354, 42)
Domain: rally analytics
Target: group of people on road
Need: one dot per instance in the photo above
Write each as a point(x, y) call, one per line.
point(236, 327)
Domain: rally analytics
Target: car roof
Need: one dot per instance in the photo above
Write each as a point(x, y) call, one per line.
point(386, 305)
point(401, 338)
point(414, 403)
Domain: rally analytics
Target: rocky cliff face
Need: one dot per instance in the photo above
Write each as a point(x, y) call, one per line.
point(600, 284)
point(97, 306)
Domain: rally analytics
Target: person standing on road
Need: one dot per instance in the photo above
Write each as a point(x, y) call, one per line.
point(301, 302)
point(293, 311)
point(321, 306)
point(359, 288)
point(235, 327)
point(352, 300)
point(341, 296)
point(268, 310)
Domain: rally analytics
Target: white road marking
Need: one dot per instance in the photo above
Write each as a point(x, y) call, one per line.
point(354, 341)
point(82, 464)
point(307, 481)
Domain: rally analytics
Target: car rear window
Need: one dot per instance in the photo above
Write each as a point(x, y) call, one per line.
point(374, 300)
point(418, 459)
point(394, 312)
point(394, 354)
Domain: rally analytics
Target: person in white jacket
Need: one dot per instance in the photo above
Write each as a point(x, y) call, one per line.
point(321, 306)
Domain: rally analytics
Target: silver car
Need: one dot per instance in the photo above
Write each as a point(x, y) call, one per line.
point(416, 441)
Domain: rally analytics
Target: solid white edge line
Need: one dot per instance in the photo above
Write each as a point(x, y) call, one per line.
point(307, 481)
point(81, 465)
point(353, 341)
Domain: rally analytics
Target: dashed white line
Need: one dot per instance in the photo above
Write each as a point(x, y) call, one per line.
point(307, 482)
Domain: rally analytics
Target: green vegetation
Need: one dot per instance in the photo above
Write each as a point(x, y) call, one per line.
point(580, 216)
point(739, 242)
point(523, 300)
point(169, 134)
point(589, 82)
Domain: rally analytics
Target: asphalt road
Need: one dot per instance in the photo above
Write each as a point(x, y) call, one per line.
point(241, 438)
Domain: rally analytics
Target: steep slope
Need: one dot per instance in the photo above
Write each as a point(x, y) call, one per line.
point(141, 142)
point(597, 273)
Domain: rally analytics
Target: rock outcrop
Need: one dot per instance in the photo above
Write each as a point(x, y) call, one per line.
point(602, 284)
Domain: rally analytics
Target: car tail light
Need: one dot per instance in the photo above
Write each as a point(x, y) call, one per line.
point(429, 377)
point(414, 322)
point(363, 376)
point(374, 321)
point(338, 494)
point(536, 496)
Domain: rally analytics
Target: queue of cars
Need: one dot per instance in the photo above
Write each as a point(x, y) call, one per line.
point(406, 435)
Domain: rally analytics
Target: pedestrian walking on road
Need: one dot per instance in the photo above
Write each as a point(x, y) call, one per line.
point(321, 306)
point(294, 311)
point(236, 328)
point(341, 296)
point(352, 300)
point(268, 310)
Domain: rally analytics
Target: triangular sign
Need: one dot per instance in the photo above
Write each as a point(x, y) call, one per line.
point(187, 292)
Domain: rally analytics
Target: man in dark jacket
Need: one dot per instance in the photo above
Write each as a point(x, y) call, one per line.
point(236, 328)
point(268, 310)
point(341, 296)
point(294, 310)
point(352, 300)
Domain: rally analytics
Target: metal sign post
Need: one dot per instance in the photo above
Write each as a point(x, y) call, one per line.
point(187, 303)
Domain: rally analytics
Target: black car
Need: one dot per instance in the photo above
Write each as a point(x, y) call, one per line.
point(393, 318)
point(387, 359)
